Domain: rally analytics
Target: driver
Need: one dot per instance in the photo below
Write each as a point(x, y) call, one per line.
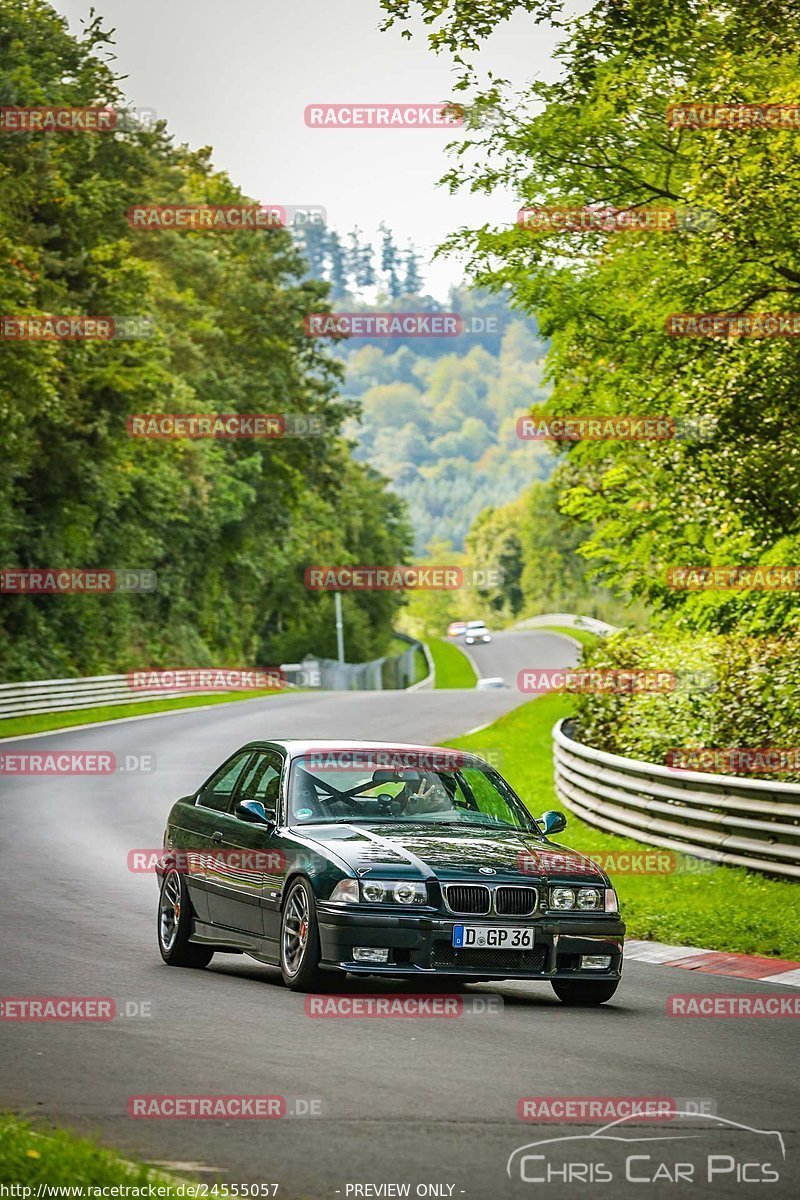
point(427, 793)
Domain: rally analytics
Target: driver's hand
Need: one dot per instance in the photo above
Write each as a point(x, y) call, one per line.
point(423, 799)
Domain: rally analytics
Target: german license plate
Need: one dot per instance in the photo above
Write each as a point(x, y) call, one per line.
point(494, 937)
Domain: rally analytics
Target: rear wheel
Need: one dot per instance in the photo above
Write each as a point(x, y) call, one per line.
point(300, 948)
point(584, 993)
point(175, 925)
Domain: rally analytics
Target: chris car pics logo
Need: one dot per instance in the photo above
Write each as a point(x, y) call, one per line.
point(691, 1148)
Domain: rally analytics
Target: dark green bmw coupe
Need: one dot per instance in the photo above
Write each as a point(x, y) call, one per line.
point(382, 859)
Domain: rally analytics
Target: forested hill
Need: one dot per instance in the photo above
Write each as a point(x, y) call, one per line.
point(437, 415)
point(229, 526)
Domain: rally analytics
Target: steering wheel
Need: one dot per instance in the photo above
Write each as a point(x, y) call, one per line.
point(389, 804)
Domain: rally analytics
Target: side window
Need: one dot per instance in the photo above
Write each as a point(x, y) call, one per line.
point(262, 779)
point(217, 792)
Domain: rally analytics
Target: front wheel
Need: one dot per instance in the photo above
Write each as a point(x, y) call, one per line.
point(584, 993)
point(300, 948)
point(175, 925)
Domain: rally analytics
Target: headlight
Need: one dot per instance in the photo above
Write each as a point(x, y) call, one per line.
point(410, 891)
point(397, 891)
point(562, 897)
point(380, 891)
point(345, 892)
point(373, 893)
point(586, 899)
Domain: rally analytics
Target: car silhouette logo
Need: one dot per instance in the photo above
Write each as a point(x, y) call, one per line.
point(615, 1132)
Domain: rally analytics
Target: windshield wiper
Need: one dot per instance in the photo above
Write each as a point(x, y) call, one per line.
point(354, 820)
point(328, 821)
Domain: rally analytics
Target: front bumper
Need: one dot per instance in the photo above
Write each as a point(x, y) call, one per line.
point(422, 946)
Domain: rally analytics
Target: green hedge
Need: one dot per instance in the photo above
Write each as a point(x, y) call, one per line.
point(729, 692)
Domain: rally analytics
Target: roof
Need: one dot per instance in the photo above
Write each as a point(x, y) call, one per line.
point(297, 746)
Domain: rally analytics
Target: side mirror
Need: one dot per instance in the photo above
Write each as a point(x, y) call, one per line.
point(552, 822)
point(254, 812)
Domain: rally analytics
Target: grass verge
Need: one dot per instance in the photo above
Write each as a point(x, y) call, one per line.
point(719, 908)
point(420, 666)
point(41, 722)
point(29, 1158)
point(453, 668)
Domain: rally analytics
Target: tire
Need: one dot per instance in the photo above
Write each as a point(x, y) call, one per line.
point(299, 940)
point(174, 925)
point(584, 993)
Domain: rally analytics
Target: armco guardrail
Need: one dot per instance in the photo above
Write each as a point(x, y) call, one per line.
point(571, 621)
point(739, 822)
point(54, 695)
point(380, 674)
point(57, 695)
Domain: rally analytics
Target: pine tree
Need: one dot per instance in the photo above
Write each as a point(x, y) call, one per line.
point(338, 268)
point(413, 282)
point(366, 266)
point(312, 241)
point(390, 262)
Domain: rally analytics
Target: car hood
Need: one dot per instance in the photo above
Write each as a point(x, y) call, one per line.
point(452, 852)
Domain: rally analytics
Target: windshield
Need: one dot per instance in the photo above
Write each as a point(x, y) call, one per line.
point(353, 786)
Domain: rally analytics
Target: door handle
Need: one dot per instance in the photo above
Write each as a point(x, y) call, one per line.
point(216, 836)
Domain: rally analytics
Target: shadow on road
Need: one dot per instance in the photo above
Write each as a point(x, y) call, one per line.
point(539, 996)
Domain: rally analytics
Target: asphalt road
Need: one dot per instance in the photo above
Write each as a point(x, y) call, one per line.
point(424, 1102)
point(509, 653)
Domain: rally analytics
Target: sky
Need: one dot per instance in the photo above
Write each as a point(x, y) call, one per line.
point(238, 77)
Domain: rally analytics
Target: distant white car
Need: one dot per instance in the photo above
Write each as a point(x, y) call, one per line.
point(491, 681)
point(476, 631)
point(456, 628)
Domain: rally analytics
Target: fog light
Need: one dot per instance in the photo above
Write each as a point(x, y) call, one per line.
point(595, 962)
point(368, 954)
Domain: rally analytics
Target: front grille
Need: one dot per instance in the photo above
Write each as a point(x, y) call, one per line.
point(515, 901)
point(467, 898)
point(495, 961)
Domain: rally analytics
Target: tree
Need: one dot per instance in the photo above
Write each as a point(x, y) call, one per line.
point(360, 261)
point(601, 137)
point(390, 263)
point(228, 526)
point(338, 266)
point(312, 239)
point(429, 611)
point(413, 282)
